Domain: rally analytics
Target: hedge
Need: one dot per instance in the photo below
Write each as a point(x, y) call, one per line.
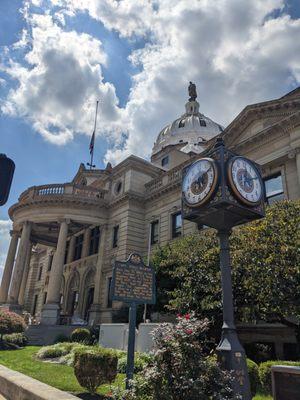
point(265, 377)
point(253, 376)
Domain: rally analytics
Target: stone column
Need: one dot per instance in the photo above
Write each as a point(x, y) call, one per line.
point(298, 163)
point(19, 265)
point(95, 311)
point(25, 276)
point(8, 268)
point(70, 255)
point(86, 243)
point(51, 309)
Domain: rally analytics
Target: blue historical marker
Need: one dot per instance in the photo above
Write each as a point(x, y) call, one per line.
point(133, 282)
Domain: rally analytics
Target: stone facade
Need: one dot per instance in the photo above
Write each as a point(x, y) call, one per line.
point(70, 234)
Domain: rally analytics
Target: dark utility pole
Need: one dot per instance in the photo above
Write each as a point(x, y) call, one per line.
point(131, 344)
point(230, 351)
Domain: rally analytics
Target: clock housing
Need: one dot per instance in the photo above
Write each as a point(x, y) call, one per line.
point(223, 209)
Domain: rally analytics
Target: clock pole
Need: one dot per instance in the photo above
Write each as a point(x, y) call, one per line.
point(230, 351)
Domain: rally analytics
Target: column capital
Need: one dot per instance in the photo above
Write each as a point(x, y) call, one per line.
point(66, 220)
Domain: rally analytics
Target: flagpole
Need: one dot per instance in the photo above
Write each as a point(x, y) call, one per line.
point(93, 138)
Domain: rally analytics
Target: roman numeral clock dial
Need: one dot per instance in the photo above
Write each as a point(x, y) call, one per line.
point(245, 181)
point(200, 182)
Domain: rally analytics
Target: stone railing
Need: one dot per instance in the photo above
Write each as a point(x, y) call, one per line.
point(169, 178)
point(66, 190)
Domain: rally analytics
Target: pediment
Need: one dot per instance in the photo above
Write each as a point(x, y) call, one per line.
point(253, 129)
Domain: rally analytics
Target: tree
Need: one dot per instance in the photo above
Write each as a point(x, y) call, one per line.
point(265, 270)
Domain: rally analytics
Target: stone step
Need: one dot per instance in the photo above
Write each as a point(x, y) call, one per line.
point(39, 335)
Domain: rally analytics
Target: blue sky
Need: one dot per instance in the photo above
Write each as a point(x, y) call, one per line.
point(57, 57)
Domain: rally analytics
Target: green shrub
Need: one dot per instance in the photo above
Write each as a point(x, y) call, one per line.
point(69, 358)
point(50, 352)
point(62, 338)
point(81, 335)
point(95, 367)
point(18, 339)
point(265, 376)
point(55, 351)
point(140, 362)
point(253, 376)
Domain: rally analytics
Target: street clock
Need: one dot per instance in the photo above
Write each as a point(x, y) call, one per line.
point(222, 190)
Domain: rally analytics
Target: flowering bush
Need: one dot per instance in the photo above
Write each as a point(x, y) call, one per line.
point(182, 366)
point(10, 323)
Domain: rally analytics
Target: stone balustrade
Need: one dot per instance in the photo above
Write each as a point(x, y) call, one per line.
point(66, 190)
point(168, 179)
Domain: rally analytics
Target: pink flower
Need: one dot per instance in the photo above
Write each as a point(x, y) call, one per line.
point(187, 316)
point(188, 331)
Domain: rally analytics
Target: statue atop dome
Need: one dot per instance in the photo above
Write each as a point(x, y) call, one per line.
point(192, 91)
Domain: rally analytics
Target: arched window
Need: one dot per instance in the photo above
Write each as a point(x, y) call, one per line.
point(181, 123)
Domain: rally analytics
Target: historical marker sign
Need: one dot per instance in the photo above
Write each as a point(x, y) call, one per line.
point(133, 281)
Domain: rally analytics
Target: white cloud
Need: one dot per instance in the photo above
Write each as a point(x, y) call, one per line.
point(5, 226)
point(236, 51)
point(59, 82)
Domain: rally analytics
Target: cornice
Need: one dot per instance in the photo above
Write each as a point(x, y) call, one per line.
point(259, 110)
point(270, 133)
point(54, 201)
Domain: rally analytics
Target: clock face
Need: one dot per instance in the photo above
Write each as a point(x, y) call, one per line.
point(200, 182)
point(245, 181)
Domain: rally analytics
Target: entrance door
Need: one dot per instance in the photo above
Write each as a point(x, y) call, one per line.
point(74, 302)
point(89, 302)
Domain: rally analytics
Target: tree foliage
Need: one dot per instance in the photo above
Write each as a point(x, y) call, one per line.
point(265, 258)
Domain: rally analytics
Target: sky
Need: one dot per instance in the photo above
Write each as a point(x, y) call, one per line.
point(58, 57)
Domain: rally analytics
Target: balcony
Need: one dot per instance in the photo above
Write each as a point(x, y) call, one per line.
point(66, 191)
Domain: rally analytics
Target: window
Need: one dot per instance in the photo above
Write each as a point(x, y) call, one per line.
point(154, 232)
point(202, 122)
point(35, 301)
point(115, 236)
point(109, 301)
point(176, 225)
point(78, 247)
point(40, 273)
point(165, 161)
point(118, 187)
point(50, 261)
point(66, 252)
point(274, 188)
point(181, 123)
point(94, 240)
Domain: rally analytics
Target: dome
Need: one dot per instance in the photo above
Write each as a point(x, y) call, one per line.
point(192, 129)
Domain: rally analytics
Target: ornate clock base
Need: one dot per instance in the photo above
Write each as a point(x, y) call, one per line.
point(230, 351)
point(232, 357)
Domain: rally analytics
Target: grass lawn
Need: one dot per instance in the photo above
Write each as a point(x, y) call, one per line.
point(60, 376)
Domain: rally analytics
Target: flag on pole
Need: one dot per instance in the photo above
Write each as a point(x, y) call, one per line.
point(92, 143)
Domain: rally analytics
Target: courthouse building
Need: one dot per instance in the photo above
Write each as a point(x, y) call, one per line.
point(66, 237)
